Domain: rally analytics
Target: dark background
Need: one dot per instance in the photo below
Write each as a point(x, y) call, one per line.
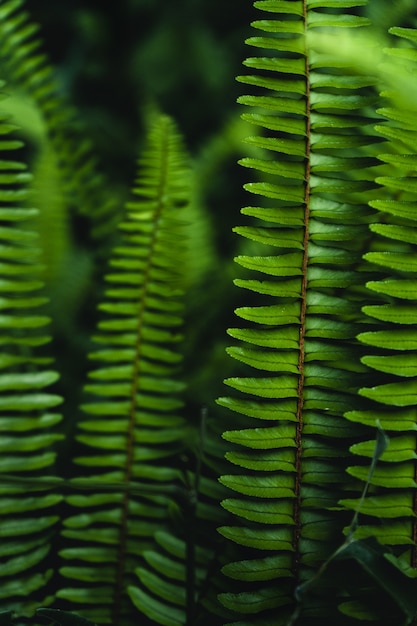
point(116, 58)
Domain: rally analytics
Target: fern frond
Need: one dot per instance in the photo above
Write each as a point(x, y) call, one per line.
point(300, 352)
point(27, 407)
point(390, 513)
point(27, 69)
point(178, 584)
point(133, 428)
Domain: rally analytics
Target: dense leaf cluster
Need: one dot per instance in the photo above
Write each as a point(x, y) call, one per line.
point(126, 493)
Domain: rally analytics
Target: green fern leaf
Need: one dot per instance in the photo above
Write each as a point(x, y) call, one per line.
point(134, 393)
point(29, 516)
point(391, 344)
point(315, 181)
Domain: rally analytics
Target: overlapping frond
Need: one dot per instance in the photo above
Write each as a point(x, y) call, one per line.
point(133, 428)
point(389, 513)
point(27, 408)
point(300, 354)
point(27, 69)
point(179, 582)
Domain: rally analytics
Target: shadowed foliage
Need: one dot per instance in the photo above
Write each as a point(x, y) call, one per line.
point(290, 500)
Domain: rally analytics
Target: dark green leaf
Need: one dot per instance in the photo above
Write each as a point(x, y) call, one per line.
point(280, 265)
point(64, 618)
point(284, 410)
point(269, 438)
point(268, 486)
point(277, 387)
point(156, 610)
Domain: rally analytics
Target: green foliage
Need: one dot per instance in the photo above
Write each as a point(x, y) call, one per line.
point(302, 347)
point(332, 268)
point(28, 422)
point(146, 500)
point(135, 396)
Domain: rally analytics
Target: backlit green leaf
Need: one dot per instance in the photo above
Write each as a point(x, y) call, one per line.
point(397, 477)
point(270, 102)
point(269, 361)
point(401, 448)
point(278, 26)
point(289, 66)
point(277, 387)
point(295, 171)
point(398, 314)
point(279, 6)
point(400, 365)
point(263, 438)
point(282, 265)
point(399, 208)
point(394, 260)
point(291, 147)
point(391, 339)
point(276, 486)
point(271, 315)
point(323, 19)
point(282, 459)
point(276, 215)
point(396, 394)
point(272, 236)
point(275, 84)
point(283, 288)
point(285, 338)
point(284, 410)
point(402, 288)
point(393, 231)
point(400, 420)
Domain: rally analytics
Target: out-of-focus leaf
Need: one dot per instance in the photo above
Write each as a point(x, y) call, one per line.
point(64, 618)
